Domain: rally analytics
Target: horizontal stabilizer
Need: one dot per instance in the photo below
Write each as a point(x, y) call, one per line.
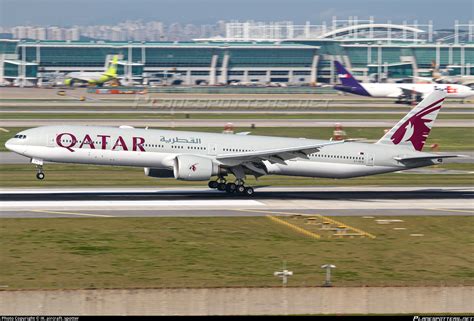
point(424, 158)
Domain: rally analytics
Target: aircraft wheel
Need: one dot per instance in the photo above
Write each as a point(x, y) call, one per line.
point(221, 186)
point(249, 191)
point(230, 187)
point(240, 189)
point(40, 175)
point(213, 184)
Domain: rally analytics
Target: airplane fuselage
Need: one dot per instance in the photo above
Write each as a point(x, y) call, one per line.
point(391, 90)
point(158, 149)
point(88, 77)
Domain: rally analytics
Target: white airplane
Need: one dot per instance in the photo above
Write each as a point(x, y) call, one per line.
point(404, 92)
point(441, 79)
point(93, 78)
point(197, 156)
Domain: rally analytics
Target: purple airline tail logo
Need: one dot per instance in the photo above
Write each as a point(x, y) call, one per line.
point(417, 127)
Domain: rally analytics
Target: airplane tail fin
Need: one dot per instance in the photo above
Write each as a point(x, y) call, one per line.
point(413, 130)
point(349, 83)
point(112, 70)
point(345, 76)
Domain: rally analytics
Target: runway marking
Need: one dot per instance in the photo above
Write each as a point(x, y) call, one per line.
point(324, 218)
point(294, 227)
point(268, 212)
point(71, 213)
point(351, 227)
point(446, 210)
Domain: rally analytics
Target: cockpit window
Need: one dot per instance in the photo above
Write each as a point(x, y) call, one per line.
point(20, 136)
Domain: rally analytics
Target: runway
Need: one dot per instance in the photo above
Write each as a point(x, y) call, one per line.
point(199, 202)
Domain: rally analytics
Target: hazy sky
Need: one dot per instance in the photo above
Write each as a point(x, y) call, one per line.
point(84, 12)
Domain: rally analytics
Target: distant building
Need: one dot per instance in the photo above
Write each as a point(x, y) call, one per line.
point(250, 53)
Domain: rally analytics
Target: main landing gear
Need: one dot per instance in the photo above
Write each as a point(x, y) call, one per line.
point(237, 187)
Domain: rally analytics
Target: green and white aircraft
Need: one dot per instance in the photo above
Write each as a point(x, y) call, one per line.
point(93, 78)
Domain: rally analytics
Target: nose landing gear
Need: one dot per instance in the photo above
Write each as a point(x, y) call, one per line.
point(39, 168)
point(39, 175)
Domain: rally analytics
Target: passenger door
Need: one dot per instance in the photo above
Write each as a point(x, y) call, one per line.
point(212, 149)
point(369, 160)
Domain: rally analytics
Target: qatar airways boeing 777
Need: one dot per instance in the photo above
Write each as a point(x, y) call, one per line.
point(197, 156)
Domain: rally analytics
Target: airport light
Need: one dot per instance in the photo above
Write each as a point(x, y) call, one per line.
point(284, 276)
point(328, 268)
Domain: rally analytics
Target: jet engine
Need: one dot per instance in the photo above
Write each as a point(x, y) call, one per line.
point(194, 168)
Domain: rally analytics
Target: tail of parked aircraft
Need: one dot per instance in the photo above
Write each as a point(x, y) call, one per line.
point(413, 130)
point(349, 83)
point(112, 70)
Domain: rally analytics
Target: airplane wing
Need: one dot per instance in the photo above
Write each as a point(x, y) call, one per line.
point(279, 155)
point(427, 79)
point(409, 92)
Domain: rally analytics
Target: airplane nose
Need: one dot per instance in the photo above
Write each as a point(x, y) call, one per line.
point(9, 144)
point(13, 146)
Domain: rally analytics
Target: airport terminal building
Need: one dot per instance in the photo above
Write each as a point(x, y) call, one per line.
point(253, 53)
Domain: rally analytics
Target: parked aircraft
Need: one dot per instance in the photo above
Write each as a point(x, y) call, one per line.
point(197, 156)
point(403, 91)
point(466, 80)
point(93, 78)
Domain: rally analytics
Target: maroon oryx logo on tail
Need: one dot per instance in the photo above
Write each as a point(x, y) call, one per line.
point(417, 128)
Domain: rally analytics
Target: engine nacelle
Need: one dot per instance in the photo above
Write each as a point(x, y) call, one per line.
point(194, 168)
point(159, 172)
